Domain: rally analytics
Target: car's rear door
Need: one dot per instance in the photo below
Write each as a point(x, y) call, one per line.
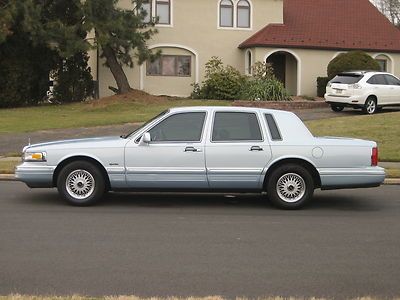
point(380, 88)
point(174, 158)
point(236, 150)
point(394, 86)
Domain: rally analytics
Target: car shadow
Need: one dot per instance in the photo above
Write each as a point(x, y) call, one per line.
point(322, 202)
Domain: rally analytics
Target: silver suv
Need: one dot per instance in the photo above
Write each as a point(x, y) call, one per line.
point(367, 90)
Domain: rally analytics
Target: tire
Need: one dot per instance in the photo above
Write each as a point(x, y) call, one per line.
point(370, 106)
point(81, 183)
point(337, 108)
point(290, 186)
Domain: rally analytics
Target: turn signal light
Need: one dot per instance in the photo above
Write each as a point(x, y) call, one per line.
point(374, 157)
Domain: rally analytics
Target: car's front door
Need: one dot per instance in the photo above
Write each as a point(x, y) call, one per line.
point(174, 158)
point(236, 151)
point(394, 85)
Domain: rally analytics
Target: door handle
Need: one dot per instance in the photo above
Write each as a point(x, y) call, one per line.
point(192, 149)
point(256, 148)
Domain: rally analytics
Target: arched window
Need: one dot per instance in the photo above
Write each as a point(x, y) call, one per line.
point(226, 13)
point(243, 14)
point(146, 7)
point(249, 62)
point(163, 11)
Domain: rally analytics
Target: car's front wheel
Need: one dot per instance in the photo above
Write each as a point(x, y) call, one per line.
point(337, 108)
point(290, 186)
point(81, 183)
point(370, 106)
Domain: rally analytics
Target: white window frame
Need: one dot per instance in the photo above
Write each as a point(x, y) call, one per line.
point(171, 13)
point(235, 16)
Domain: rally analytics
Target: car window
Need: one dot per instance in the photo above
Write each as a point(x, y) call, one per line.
point(273, 128)
point(392, 80)
point(377, 79)
point(182, 127)
point(347, 78)
point(236, 126)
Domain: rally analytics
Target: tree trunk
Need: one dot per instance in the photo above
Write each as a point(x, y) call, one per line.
point(116, 70)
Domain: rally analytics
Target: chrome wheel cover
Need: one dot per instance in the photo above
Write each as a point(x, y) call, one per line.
point(291, 187)
point(371, 106)
point(80, 184)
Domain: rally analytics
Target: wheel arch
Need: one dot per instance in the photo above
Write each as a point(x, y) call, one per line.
point(294, 160)
point(373, 96)
point(89, 159)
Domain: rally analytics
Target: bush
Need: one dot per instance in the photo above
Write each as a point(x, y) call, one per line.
point(223, 83)
point(269, 89)
point(321, 85)
point(226, 83)
point(353, 60)
point(73, 79)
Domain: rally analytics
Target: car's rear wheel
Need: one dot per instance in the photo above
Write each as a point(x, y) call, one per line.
point(290, 186)
point(337, 108)
point(370, 106)
point(81, 183)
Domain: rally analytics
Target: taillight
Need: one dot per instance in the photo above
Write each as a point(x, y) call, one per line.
point(374, 157)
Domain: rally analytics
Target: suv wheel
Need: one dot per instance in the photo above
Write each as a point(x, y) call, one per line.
point(81, 183)
point(370, 106)
point(337, 108)
point(290, 186)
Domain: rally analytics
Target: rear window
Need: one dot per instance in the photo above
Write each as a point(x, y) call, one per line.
point(347, 78)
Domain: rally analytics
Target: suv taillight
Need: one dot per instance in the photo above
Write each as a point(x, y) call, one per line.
point(374, 157)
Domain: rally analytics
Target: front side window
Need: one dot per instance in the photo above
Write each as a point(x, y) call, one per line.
point(226, 13)
point(163, 11)
point(243, 14)
point(183, 127)
point(392, 80)
point(236, 126)
point(170, 65)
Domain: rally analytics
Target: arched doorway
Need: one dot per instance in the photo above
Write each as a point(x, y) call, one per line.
point(286, 69)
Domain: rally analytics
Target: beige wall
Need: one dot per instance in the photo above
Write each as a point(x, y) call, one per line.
point(195, 27)
point(313, 63)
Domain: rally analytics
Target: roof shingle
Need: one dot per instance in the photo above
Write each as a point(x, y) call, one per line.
point(329, 24)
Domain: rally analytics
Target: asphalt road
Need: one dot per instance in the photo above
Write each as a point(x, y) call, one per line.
point(347, 243)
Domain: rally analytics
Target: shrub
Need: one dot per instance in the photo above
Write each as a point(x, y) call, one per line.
point(73, 79)
point(353, 60)
point(269, 89)
point(221, 82)
point(321, 85)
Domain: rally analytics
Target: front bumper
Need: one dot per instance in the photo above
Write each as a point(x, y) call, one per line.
point(346, 178)
point(35, 175)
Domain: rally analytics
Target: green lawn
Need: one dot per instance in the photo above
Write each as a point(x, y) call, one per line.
point(384, 128)
point(88, 114)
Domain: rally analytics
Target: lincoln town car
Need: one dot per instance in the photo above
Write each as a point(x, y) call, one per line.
point(205, 149)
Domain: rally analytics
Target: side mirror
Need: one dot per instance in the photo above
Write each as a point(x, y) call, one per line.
point(146, 138)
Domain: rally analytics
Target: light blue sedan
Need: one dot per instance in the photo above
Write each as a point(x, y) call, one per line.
point(210, 149)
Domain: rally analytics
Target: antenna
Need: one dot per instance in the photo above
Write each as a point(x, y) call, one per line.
point(29, 141)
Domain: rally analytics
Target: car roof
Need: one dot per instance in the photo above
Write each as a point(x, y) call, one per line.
point(363, 72)
point(228, 109)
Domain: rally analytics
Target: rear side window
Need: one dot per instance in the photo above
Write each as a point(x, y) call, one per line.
point(183, 127)
point(377, 79)
point(273, 128)
point(347, 78)
point(236, 126)
point(392, 80)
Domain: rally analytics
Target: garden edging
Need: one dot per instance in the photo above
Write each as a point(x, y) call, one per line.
point(284, 105)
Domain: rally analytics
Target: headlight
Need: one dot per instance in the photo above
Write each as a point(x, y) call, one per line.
point(34, 156)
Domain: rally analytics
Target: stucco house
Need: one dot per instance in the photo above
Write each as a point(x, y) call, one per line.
point(299, 38)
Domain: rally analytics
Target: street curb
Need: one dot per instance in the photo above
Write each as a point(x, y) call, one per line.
point(11, 177)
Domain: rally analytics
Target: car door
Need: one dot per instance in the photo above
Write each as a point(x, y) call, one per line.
point(236, 150)
point(394, 84)
point(174, 158)
point(380, 88)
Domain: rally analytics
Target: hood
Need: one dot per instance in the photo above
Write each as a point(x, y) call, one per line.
point(106, 142)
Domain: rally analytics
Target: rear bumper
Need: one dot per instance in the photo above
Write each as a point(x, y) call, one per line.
point(346, 178)
point(354, 101)
point(35, 175)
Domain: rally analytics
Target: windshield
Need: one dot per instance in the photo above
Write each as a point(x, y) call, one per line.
point(347, 78)
point(145, 124)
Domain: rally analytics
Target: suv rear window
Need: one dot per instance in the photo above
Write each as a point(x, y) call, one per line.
point(347, 78)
